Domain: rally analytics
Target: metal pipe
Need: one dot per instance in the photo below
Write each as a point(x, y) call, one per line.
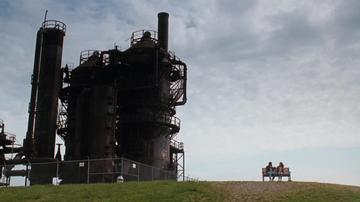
point(34, 160)
point(88, 171)
point(57, 172)
point(7, 150)
point(28, 142)
point(184, 90)
point(184, 167)
point(46, 12)
point(163, 30)
point(9, 173)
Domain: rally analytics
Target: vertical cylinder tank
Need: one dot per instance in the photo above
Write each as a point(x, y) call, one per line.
point(145, 116)
point(95, 123)
point(49, 84)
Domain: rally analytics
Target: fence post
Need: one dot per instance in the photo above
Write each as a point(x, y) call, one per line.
point(28, 172)
point(152, 173)
point(183, 167)
point(122, 168)
point(4, 177)
point(57, 172)
point(88, 171)
point(26, 176)
point(138, 171)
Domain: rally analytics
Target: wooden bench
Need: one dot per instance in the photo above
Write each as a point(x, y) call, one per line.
point(285, 173)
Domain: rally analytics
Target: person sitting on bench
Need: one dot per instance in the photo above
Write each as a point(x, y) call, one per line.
point(270, 171)
point(280, 170)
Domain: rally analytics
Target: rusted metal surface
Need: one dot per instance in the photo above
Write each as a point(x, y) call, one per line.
point(113, 104)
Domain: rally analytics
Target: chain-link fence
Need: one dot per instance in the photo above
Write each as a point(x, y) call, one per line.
point(82, 172)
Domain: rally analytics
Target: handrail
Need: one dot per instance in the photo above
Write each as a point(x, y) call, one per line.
point(54, 24)
point(137, 35)
point(10, 136)
point(86, 54)
point(177, 144)
point(154, 117)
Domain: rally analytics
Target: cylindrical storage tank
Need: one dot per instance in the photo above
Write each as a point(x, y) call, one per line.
point(82, 78)
point(101, 136)
point(95, 123)
point(94, 134)
point(48, 88)
point(144, 113)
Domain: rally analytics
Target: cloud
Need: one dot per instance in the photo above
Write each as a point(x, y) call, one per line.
point(263, 75)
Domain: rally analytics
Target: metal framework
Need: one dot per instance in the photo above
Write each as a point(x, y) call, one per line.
point(137, 35)
point(178, 158)
point(54, 24)
point(8, 147)
point(62, 120)
point(115, 103)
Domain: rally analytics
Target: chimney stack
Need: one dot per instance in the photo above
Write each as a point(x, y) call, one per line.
point(163, 30)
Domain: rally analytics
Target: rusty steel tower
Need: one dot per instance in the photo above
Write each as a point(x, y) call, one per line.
point(115, 103)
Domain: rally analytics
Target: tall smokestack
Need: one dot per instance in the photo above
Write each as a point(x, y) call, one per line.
point(48, 87)
point(163, 30)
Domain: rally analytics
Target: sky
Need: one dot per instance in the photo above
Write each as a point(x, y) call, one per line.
point(268, 80)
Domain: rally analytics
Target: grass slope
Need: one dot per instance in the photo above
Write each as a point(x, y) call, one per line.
point(130, 191)
point(185, 191)
point(289, 191)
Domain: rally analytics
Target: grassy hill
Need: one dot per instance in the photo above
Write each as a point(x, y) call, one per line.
point(186, 191)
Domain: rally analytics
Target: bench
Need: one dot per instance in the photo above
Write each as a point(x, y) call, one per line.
point(285, 173)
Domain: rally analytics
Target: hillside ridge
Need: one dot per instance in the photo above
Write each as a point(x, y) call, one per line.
point(185, 191)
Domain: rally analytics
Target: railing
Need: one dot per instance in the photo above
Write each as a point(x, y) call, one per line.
point(153, 118)
point(175, 121)
point(178, 86)
point(137, 35)
point(84, 172)
point(6, 135)
point(54, 24)
point(173, 56)
point(10, 137)
point(86, 54)
point(176, 144)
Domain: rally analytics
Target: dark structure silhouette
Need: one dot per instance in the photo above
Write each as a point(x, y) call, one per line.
point(115, 103)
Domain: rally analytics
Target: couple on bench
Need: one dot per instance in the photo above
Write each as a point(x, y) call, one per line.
point(273, 172)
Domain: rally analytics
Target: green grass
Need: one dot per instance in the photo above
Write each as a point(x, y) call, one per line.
point(185, 191)
point(323, 192)
point(130, 191)
point(289, 192)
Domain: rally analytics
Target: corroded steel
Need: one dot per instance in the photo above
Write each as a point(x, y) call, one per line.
point(115, 103)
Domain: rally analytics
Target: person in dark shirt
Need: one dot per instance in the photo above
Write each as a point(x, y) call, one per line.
point(270, 171)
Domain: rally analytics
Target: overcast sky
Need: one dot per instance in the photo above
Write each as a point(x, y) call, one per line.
point(267, 80)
